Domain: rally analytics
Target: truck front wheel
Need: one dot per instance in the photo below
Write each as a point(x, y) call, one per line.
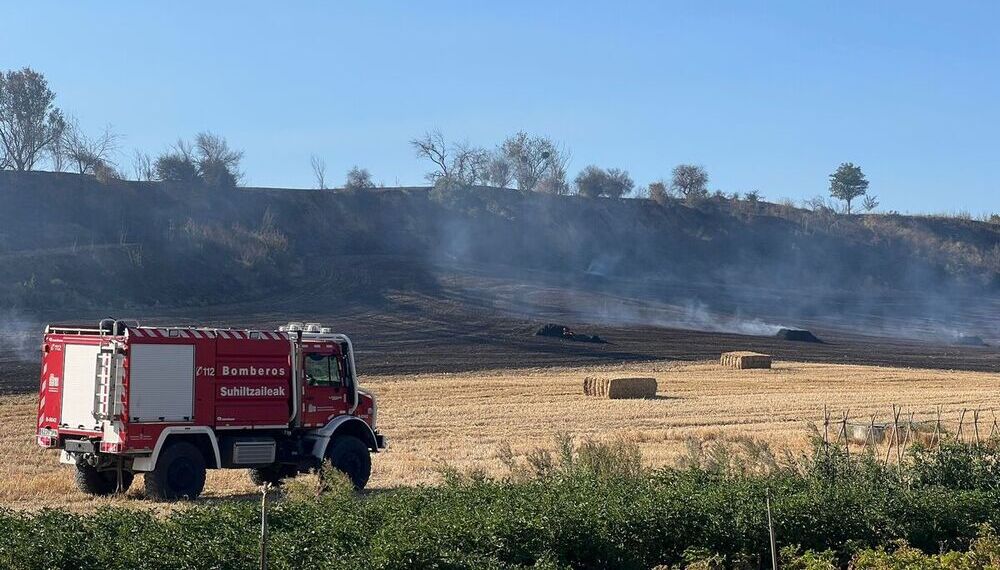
point(101, 483)
point(350, 456)
point(179, 473)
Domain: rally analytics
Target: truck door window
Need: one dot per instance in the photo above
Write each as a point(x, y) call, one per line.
point(318, 370)
point(324, 370)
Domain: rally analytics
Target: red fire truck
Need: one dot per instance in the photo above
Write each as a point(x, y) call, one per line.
point(170, 402)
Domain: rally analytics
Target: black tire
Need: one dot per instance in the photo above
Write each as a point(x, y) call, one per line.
point(101, 483)
point(273, 474)
point(350, 456)
point(179, 473)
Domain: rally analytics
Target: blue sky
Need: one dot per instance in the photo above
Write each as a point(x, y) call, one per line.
point(767, 95)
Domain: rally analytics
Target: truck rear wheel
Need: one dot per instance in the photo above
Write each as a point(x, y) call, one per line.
point(101, 483)
point(179, 473)
point(350, 456)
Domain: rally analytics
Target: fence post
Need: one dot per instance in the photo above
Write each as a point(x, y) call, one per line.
point(264, 489)
point(770, 530)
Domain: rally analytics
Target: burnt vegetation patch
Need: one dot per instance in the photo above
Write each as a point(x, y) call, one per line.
point(797, 335)
point(561, 331)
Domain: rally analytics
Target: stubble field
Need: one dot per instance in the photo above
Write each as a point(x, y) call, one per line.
point(464, 420)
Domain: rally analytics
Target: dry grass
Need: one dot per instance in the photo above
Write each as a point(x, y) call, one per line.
point(462, 420)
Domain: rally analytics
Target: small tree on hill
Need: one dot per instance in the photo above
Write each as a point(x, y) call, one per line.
point(536, 159)
point(658, 192)
point(358, 179)
point(847, 183)
point(690, 181)
point(30, 123)
point(590, 181)
point(218, 165)
point(870, 202)
point(619, 183)
point(594, 181)
point(177, 164)
point(85, 154)
point(319, 171)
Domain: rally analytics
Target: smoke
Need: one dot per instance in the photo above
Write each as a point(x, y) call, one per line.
point(19, 335)
point(697, 316)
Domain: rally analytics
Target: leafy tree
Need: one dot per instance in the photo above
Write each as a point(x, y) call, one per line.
point(847, 183)
point(590, 181)
point(30, 123)
point(358, 179)
point(690, 181)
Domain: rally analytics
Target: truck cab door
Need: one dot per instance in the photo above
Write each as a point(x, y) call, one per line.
point(325, 386)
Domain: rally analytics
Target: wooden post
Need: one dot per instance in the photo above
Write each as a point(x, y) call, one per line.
point(961, 424)
point(770, 531)
point(826, 428)
point(892, 439)
point(937, 427)
point(264, 489)
point(847, 440)
point(975, 423)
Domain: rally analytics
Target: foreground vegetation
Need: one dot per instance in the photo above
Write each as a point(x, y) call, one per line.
point(585, 506)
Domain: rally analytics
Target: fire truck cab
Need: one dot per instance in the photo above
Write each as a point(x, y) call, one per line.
point(170, 402)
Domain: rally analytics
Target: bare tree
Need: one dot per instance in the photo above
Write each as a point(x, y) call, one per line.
point(87, 154)
point(534, 159)
point(470, 165)
point(358, 179)
point(319, 171)
point(432, 147)
point(499, 172)
point(870, 202)
point(690, 181)
point(30, 123)
point(142, 166)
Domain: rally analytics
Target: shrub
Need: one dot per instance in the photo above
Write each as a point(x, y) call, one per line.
point(593, 181)
point(175, 167)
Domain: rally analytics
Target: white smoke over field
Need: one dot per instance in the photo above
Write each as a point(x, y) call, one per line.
point(20, 336)
point(697, 316)
point(688, 314)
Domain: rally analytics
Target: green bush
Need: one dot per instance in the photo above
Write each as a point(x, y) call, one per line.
point(592, 508)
